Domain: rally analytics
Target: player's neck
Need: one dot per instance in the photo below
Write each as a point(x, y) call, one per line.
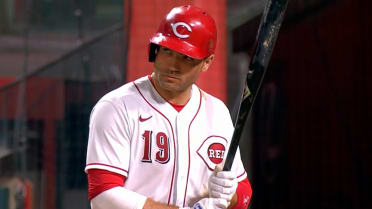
point(173, 97)
point(178, 98)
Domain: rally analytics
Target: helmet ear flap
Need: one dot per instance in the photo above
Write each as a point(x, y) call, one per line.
point(153, 50)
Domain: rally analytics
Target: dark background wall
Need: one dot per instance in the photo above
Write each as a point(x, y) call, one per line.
point(312, 137)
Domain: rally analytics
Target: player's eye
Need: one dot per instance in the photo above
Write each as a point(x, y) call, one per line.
point(189, 59)
point(165, 50)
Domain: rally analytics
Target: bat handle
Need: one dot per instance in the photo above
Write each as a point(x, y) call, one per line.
point(230, 156)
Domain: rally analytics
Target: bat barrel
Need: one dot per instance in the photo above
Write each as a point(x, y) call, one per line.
point(271, 21)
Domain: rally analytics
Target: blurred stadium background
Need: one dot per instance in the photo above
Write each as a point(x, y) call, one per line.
point(306, 146)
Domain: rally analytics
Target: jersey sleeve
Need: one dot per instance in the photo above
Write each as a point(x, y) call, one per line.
point(109, 141)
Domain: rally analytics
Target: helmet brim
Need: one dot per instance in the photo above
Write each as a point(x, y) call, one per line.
point(178, 45)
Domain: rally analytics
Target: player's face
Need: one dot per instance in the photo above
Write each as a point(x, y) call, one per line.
point(176, 72)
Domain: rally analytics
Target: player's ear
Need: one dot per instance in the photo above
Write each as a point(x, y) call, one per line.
point(207, 62)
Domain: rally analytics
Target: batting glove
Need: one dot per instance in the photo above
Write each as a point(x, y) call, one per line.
point(210, 203)
point(222, 184)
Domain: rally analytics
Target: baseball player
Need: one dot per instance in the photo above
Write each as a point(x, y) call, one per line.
point(159, 141)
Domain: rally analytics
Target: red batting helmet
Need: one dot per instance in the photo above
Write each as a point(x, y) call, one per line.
point(188, 30)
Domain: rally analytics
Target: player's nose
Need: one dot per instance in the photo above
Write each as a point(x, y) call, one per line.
point(174, 64)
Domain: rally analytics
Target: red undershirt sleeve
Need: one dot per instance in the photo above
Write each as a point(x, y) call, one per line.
point(244, 193)
point(101, 180)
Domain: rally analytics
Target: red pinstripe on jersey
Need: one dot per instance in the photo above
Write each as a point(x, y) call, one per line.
point(188, 170)
point(174, 143)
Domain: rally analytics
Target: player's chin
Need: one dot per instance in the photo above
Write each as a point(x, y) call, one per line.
point(170, 86)
point(167, 83)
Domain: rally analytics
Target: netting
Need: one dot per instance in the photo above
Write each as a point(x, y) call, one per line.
point(44, 123)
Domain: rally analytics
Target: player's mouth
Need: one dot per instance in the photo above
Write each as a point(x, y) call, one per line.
point(171, 77)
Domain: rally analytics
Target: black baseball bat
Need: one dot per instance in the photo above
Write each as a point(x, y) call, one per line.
point(268, 30)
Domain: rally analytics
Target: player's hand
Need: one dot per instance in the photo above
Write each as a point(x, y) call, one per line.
point(211, 203)
point(222, 184)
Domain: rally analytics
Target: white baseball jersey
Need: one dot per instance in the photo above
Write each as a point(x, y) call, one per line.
point(165, 155)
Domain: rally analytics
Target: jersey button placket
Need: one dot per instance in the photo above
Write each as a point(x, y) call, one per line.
point(182, 161)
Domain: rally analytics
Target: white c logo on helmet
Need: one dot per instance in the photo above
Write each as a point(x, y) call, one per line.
point(174, 28)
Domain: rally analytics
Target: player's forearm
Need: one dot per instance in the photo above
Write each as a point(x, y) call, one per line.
point(233, 201)
point(151, 204)
point(113, 199)
point(118, 198)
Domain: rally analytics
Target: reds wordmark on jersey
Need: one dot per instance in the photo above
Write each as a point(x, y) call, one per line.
point(165, 155)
